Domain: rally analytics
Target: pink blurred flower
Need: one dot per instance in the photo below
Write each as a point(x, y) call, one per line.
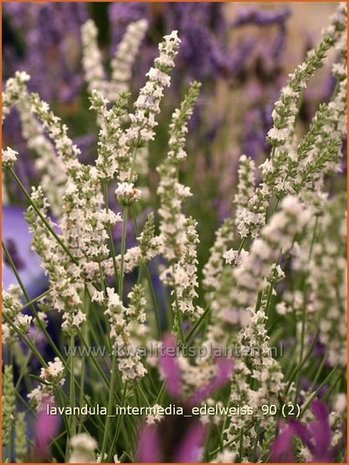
point(316, 436)
point(46, 428)
point(179, 439)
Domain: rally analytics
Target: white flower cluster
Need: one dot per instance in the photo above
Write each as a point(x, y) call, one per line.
point(51, 168)
point(113, 153)
point(64, 275)
point(92, 58)
point(327, 270)
point(319, 153)
point(14, 88)
point(137, 313)
point(214, 267)
point(52, 376)
point(172, 225)
point(217, 279)
point(121, 63)
point(179, 123)
point(127, 194)
point(118, 144)
point(147, 104)
point(183, 275)
point(83, 448)
point(178, 236)
point(12, 309)
point(266, 387)
point(276, 238)
point(9, 157)
point(247, 221)
point(121, 320)
point(170, 191)
point(54, 373)
point(148, 248)
point(84, 222)
point(286, 108)
point(246, 184)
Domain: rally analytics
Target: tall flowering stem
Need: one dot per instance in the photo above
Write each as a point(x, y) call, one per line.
point(177, 233)
point(140, 132)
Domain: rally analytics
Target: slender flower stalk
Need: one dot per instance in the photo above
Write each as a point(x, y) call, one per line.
point(177, 233)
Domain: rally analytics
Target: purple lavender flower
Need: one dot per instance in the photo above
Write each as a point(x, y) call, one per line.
point(253, 15)
point(51, 37)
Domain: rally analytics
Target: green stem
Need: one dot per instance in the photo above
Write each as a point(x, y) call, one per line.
point(149, 280)
point(114, 358)
point(179, 320)
point(83, 358)
point(154, 302)
point(37, 299)
point(28, 341)
point(37, 354)
point(71, 384)
point(304, 311)
point(300, 366)
point(110, 232)
point(94, 361)
point(118, 424)
point(314, 394)
point(197, 325)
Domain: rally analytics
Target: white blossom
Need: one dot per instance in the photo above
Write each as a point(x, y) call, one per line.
point(83, 448)
point(9, 157)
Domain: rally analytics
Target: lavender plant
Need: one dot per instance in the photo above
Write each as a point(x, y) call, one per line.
point(110, 364)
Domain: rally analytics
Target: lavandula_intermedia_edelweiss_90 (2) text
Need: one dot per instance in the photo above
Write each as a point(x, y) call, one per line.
point(275, 274)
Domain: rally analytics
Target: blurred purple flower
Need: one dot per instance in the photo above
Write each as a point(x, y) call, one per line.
point(320, 431)
point(169, 366)
point(282, 449)
point(170, 369)
point(316, 436)
point(190, 450)
point(46, 428)
point(202, 28)
point(153, 447)
point(253, 15)
point(179, 439)
point(148, 447)
point(307, 385)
